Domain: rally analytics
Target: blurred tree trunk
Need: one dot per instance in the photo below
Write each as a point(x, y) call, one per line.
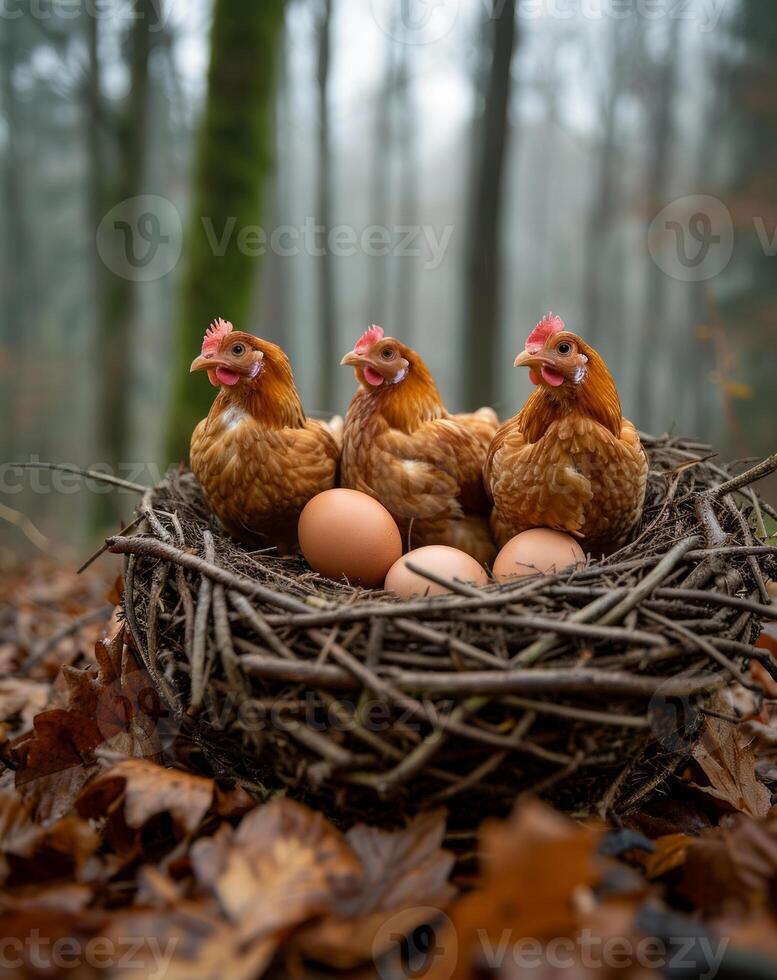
point(750, 307)
point(483, 279)
point(604, 204)
point(326, 272)
point(541, 207)
point(696, 360)
point(408, 193)
point(117, 296)
point(16, 273)
point(96, 169)
point(380, 198)
point(233, 158)
point(660, 144)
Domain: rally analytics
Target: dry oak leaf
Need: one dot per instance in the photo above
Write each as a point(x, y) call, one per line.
point(146, 790)
point(670, 853)
point(536, 867)
point(113, 707)
point(32, 853)
point(186, 943)
point(733, 868)
point(22, 698)
point(281, 866)
point(405, 876)
point(726, 755)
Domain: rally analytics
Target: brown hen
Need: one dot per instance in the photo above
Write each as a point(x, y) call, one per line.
point(256, 456)
point(569, 460)
point(401, 446)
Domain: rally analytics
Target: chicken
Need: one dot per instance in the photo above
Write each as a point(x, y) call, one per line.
point(568, 461)
point(256, 456)
point(402, 447)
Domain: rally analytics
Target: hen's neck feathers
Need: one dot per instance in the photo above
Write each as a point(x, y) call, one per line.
point(408, 404)
point(272, 399)
point(594, 398)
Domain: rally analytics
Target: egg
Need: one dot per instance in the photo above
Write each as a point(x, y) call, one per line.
point(449, 563)
point(537, 551)
point(348, 534)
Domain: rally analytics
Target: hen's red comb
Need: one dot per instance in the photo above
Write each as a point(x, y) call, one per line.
point(215, 333)
point(369, 338)
point(548, 326)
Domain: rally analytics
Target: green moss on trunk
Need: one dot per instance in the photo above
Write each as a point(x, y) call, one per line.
point(234, 156)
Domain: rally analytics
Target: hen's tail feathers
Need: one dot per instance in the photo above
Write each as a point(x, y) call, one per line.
point(483, 423)
point(472, 534)
point(336, 425)
point(488, 415)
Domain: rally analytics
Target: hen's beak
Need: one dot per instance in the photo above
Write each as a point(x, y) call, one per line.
point(204, 364)
point(352, 360)
point(529, 360)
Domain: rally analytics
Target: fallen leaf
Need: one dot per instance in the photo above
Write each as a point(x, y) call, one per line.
point(733, 867)
point(22, 698)
point(405, 876)
point(185, 943)
point(31, 853)
point(114, 707)
point(670, 853)
point(726, 755)
point(535, 866)
point(145, 790)
point(282, 865)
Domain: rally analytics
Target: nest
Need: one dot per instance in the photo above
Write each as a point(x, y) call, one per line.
point(588, 688)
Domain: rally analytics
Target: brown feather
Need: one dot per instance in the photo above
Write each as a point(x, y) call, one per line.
point(402, 446)
point(569, 461)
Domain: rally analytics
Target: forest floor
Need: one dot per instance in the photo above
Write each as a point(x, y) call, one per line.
point(120, 856)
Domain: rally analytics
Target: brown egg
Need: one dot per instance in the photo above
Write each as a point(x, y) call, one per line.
point(538, 550)
point(348, 534)
point(449, 563)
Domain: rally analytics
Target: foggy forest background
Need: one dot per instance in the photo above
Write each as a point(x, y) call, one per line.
point(524, 158)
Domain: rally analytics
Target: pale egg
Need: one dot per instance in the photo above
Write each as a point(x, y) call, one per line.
point(348, 534)
point(539, 550)
point(447, 563)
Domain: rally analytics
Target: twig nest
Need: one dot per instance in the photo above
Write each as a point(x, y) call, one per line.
point(585, 686)
point(537, 551)
point(442, 563)
point(345, 534)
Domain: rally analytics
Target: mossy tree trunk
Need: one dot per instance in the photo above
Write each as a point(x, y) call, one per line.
point(483, 287)
point(117, 296)
point(233, 158)
point(326, 271)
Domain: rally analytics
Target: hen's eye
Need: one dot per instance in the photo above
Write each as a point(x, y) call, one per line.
point(238, 350)
point(387, 354)
point(564, 348)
